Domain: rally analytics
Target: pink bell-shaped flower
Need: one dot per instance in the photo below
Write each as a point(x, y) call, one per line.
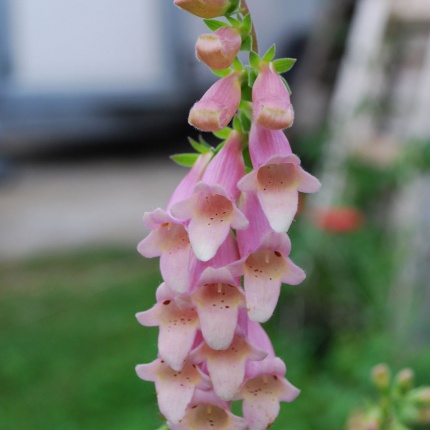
point(168, 237)
point(204, 8)
point(207, 411)
point(218, 105)
point(264, 263)
point(226, 368)
point(271, 100)
point(219, 49)
point(212, 208)
point(174, 388)
point(218, 296)
point(178, 323)
point(265, 385)
point(277, 177)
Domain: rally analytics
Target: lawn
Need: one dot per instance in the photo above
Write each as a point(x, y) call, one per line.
point(69, 343)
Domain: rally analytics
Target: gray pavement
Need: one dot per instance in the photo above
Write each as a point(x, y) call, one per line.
point(48, 208)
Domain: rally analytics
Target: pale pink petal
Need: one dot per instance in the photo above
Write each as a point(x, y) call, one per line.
point(174, 267)
point(293, 274)
point(212, 214)
point(217, 307)
point(186, 186)
point(174, 388)
point(227, 167)
point(264, 144)
point(227, 367)
point(307, 182)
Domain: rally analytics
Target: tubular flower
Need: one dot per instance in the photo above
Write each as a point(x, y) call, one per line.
point(212, 209)
point(277, 178)
point(169, 238)
point(207, 411)
point(219, 49)
point(218, 105)
point(264, 262)
point(204, 8)
point(178, 323)
point(271, 99)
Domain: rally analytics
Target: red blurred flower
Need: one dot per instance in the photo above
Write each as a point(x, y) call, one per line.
point(339, 219)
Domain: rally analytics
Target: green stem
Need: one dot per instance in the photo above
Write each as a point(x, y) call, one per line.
point(163, 427)
point(245, 11)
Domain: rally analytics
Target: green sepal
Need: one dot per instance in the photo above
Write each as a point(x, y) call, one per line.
point(237, 65)
point(186, 160)
point(221, 73)
point(214, 24)
point(246, 43)
point(254, 59)
point(233, 22)
point(247, 160)
point(270, 54)
point(246, 92)
point(282, 65)
point(201, 147)
point(233, 8)
point(246, 122)
point(286, 84)
point(246, 26)
point(252, 76)
point(223, 134)
point(237, 125)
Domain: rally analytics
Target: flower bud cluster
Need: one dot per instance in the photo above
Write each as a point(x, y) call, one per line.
point(223, 245)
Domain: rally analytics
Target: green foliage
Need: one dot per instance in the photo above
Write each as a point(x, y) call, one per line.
point(215, 24)
point(270, 54)
point(186, 160)
point(282, 65)
point(254, 59)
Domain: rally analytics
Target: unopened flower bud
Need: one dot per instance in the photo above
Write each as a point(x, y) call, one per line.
point(381, 376)
point(218, 105)
point(219, 49)
point(272, 106)
point(421, 396)
point(405, 379)
point(204, 8)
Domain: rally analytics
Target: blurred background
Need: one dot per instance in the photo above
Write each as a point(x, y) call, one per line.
point(94, 96)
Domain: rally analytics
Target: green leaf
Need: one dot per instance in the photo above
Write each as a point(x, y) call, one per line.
point(219, 147)
point(270, 54)
point(286, 84)
point(246, 93)
point(252, 76)
point(223, 134)
point(201, 147)
point(237, 65)
point(234, 6)
point(237, 125)
point(221, 73)
point(246, 122)
point(186, 160)
point(246, 24)
point(214, 24)
point(233, 22)
point(246, 43)
point(254, 59)
point(282, 65)
point(247, 160)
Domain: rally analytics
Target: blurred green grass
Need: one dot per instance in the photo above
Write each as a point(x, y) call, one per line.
point(69, 343)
